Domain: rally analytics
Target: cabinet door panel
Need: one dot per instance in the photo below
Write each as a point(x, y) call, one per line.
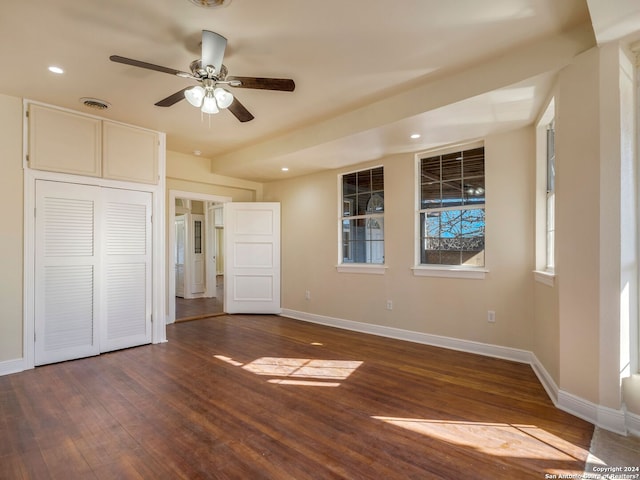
point(61, 141)
point(129, 153)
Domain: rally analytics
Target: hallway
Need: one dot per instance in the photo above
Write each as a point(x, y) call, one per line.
point(197, 308)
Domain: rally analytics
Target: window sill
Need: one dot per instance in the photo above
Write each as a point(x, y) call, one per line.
point(477, 273)
point(547, 278)
point(361, 268)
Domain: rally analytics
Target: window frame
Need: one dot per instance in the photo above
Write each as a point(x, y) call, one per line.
point(355, 267)
point(440, 270)
point(545, 199)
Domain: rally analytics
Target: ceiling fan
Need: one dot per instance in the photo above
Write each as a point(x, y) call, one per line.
point(210, 95)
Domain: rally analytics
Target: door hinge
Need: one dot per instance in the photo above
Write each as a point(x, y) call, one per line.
point(151, 317)
point(34, 212)
point(26, 113)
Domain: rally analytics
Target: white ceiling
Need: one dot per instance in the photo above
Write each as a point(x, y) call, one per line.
point(368, 72)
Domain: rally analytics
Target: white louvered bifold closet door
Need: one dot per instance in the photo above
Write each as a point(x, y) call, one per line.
point(67, 269)
point(92, 270)
point(126, 319)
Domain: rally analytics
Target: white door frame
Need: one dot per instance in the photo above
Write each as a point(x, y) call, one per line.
point(211, 252)
point(171, 266)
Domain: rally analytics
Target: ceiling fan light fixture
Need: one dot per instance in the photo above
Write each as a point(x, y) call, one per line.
point(223, 97)
point(195, 96)
point(209, 104)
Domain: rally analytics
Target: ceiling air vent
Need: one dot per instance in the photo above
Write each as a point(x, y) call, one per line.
point(210, 3)
point(95, 103)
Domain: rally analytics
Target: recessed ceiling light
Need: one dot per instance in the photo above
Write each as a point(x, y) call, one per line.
point(197, 153)
point(285, 169)
point(54, 69)
point(415, 135)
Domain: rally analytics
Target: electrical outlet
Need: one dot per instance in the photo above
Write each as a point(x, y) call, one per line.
point(491, 316)
point(307, 295)
point(389, 305)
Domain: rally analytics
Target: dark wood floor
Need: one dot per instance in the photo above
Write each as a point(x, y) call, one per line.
point(197, 308)
point(252, 397)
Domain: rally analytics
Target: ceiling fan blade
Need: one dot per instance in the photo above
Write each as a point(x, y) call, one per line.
point(213, 47)
point(172, 99)
point(281, 84)
point(240, 112)
point(148, 66)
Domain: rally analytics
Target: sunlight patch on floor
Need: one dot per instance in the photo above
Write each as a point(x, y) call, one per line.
point(497, 439)
point(298, 371)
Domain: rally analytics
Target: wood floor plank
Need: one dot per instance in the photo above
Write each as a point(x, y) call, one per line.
point(251, 396)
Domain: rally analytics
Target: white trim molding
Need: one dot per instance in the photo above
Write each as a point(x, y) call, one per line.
point(451, 343)
point(368, 268)
point(449, 272)
point(632, 422)
point(8, 367)
point(617, 421)
point(546, 278)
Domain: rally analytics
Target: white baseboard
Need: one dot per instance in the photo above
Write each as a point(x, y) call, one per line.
point(12, 366)
point(545, 379)
point(613, 420)
point(451, 343)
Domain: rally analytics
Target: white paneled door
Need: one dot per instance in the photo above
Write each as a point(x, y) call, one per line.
point(252, 257)
point(92, 270)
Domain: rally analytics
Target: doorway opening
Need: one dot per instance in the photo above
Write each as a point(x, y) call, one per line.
point(196, 256)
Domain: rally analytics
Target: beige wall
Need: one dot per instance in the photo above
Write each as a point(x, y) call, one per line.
point(11, 243)
point(577, 225)
point(442, 306)
point(193, 174)
point(547, 329)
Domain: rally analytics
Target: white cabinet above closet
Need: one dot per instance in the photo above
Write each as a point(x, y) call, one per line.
point(69, 142)
point(61, 141)
point(129, 153)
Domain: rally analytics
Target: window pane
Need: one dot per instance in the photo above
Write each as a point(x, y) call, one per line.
point(376, 203)
point(474, 191)
point(430, 169)
point(348, 205)
point(473, 165)
point(451, 194)
point(363, 201)
point(349, 184)
point(364, 181)
point(362, 239)
point(453, 237)
point(197, 237)
point(451, 166)
point(551, 159)
point(375, 240)
point(377, 179)
point(430, 195)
